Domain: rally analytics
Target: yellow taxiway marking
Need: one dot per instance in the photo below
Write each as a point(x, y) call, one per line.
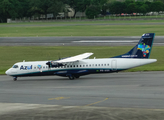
point(58, 98)
point(96, 102)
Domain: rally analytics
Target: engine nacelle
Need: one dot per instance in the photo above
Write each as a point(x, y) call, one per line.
point(52, 64)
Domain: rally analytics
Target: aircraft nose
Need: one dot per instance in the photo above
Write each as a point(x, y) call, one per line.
point(7, 72)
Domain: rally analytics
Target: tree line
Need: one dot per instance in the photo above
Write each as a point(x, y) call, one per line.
point(92, 8)
point(135, 7)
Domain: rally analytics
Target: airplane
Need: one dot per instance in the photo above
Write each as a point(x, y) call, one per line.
point(76, 66)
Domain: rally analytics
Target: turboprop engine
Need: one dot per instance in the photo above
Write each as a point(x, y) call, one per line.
point(52, 64)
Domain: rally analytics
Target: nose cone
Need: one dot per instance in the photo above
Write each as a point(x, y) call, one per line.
point(7, 72)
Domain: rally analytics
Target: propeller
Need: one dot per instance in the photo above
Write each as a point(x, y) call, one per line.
point(59, 56)
point(49, 64)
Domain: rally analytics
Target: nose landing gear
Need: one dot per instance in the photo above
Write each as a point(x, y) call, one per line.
point(15, 78)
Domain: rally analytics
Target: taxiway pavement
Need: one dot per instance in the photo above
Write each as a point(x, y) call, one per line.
point(75, 41)
point(125, 90)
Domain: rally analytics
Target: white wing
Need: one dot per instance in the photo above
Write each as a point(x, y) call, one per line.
point(75, 58)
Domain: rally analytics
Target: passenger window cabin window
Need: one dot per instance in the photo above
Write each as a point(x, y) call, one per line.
point(95, 64)
point(104, 64)
point(83, 65)
point(86, 65)
point(90, 65)
point(77, 66)
point(74, 66)
point(80, 65)
point(108, 64)
point(101, 64)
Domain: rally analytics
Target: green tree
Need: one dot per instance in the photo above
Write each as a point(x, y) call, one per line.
point(9, 9)
point(148, 6)
point(34, 8)
point(157, 6)
point(138, 5)
point(56, 6)
point(44, 5)
point(78, 5)
point(142, 9)
point(101, 4)
point(131, 8)
point(23, 9)
point(117, 7)
point(82, 5)
point(92, 11)
point(159, 1)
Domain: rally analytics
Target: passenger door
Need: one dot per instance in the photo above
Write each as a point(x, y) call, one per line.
point(114, 65)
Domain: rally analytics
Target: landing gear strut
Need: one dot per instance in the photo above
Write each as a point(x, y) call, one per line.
point(71, 77)
point(77, 76)
point(15, 78)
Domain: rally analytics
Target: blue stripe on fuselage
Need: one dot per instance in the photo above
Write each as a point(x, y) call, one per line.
point(69, 71)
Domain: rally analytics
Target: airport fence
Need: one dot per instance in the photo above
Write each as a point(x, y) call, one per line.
point(109, 17)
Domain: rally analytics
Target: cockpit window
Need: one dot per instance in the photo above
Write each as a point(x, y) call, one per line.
point(15, 66)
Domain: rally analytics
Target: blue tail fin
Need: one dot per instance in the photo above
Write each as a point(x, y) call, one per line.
point(142, 49)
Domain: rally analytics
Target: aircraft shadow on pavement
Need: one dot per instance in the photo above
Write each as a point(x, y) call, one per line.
point(67, 79)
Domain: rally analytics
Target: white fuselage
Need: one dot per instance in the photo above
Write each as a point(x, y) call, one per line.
point(82, 67)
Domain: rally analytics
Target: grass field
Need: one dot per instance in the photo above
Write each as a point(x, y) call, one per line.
point(107, 30)
point(49, 29)
point(82, 22)
point(11, 55)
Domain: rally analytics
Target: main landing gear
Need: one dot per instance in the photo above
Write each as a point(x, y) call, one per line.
point(72, 77)
point(15, 78)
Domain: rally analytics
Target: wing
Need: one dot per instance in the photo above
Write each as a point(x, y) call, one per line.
point(75, 58)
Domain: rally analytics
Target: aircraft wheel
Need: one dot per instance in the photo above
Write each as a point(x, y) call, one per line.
point(15, 78)
point(77, 76)
point(71, 77)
